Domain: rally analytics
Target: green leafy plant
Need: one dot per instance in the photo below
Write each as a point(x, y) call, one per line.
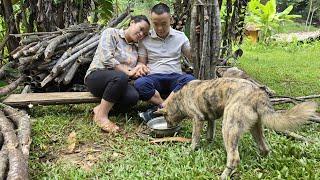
point(266, 16)
point(104, 10)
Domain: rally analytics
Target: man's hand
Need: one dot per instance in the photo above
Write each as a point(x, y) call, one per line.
point(142, 70)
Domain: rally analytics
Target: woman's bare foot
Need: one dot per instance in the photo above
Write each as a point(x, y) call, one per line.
point(96, 109)
point(103, 121)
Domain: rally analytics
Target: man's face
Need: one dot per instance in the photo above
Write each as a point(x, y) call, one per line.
point(161, 24)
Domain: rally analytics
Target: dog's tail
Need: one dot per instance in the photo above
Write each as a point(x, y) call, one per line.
point(288, 119)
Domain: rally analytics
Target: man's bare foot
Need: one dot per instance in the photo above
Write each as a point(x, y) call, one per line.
point(105, 124)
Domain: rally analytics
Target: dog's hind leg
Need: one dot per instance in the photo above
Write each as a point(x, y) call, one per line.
point(211, 129)
point(196, 132)
point(232, 129)
point(258, 135)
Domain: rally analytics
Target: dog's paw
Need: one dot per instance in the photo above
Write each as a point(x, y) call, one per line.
point(195, 147)
point(226, 173)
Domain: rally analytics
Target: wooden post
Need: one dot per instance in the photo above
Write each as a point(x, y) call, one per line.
point(206, 47)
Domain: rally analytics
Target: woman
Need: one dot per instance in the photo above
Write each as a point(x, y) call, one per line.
point(114, 63)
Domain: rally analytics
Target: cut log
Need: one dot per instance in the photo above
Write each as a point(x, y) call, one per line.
point(18, 167)
point(77, 54)
point(3, 164)
point(47, 65)
point(57, 68)
point(74, 40)
point(70, 74)
point(4, 68)
point(40, 77)
point(32, 49)
point(65, 71)
point(23, 100)
point(26, 89)
point(20, 52)
point(22, 122)
point(89, 36)
point(49, 51)
point(84, 60)
point(30, 39)
point(9, 88)
point(47, 79)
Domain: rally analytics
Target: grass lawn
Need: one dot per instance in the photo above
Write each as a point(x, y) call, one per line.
point(288, 69)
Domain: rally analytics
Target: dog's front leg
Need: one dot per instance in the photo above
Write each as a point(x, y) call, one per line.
point(196, 132)
point(211, 129)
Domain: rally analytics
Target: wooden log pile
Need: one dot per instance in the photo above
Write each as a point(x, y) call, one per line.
point(56, 61)
point(15, 143)
point(52, 59)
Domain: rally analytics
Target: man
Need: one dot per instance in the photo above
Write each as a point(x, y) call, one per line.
point(161, 51)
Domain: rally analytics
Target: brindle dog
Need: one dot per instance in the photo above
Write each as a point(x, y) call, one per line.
point(243, 105)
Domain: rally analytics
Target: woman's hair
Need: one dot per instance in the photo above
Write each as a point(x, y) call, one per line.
point(140, 18)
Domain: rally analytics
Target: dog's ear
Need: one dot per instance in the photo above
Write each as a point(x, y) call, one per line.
point(162, 111)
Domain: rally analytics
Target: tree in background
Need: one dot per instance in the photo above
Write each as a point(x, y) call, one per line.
point(48, 15)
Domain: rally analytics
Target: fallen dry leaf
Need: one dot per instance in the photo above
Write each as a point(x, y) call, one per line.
point(71, 141)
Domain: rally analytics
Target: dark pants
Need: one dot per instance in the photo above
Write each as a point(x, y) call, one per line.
point(112, 86)
point(163, 83)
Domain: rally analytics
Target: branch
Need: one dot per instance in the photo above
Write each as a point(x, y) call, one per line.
point(7, 89)
point(287, 99)
point(295, 136)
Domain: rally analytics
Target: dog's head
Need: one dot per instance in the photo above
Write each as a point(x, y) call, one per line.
point(173, 119)
point(172, 112)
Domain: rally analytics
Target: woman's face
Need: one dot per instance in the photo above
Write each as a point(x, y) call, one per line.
point(138, 30)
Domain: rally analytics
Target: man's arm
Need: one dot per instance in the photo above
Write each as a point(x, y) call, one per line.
point(187, 53)
point(142, 60)
point(186, 48)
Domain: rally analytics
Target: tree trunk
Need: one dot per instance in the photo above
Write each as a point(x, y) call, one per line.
point(216, 38)
point(13, 42)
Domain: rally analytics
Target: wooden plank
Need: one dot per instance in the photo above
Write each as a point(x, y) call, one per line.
point(20, 100)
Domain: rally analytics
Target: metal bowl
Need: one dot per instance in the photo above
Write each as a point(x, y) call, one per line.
point(159, 127)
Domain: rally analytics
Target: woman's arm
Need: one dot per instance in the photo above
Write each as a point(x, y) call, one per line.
point(107, 48)
point(126, 69)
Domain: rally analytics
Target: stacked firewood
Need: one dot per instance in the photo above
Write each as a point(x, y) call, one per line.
point(14, 143)
point(56, 56)
point(58, 61)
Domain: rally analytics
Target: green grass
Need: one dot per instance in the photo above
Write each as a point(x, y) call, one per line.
point(288, 69)
point(289, 27)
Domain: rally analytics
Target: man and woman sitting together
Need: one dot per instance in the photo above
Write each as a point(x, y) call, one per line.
point(154, 64)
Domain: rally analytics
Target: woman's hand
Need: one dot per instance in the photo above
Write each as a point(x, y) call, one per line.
point(142, 70)
point(133, 72)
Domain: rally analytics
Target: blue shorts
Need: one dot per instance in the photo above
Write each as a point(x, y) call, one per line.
point(163, 83)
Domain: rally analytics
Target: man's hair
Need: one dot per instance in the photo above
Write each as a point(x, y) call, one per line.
point(140, 18)
point(160, 9)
